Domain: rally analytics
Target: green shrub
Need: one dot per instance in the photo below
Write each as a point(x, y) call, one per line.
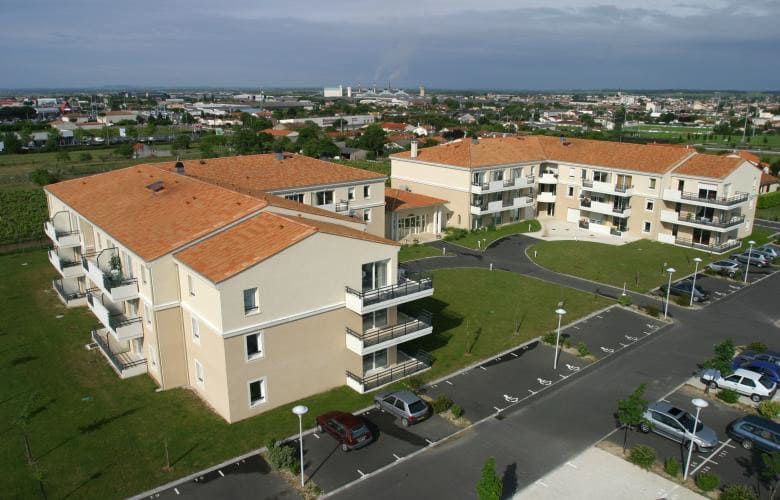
point(625, 300)
point(643, 456)
point(415, 383)
point(549, 338)
point(455, 233)
point(652, 310)
point(672, 467)
point(757, 346)
point(682, 300)
point(42, 177)
point(441, 404)
point(707, 481)
point(769, 200)
point(738, 492)
point(85, 156)
point(282, 456)
point(582, 349)
point(769, 409)
point(456, 411)
point(728, 395)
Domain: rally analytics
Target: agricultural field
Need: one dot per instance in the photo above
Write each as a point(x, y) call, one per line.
point(698, 135)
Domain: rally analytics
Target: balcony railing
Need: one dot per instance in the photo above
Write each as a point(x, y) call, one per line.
point(587, 183)
point(117, 360)
point(413, 325)
point(714, 221)
point(110, 281)
point(723, 200)
point(342, 206)
point(406, 287)
point(709, 247)
point(118, 321)
point(622, 188)
point(418, 362)
point(67, 297)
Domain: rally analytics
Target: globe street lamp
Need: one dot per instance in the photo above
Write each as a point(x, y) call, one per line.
point(300, 410)
point(560, 312)
point(671, 271)
point(699, 404)
point(750, 254)
point(697, 260)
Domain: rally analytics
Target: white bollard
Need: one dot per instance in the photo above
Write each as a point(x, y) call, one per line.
point(444, 251)
point(491, 266)
point(534, 254)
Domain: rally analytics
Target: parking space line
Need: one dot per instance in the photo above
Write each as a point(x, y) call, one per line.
point(429, 441)
point(513, 354)
point(709, 458)
point(497, 408)
point(485, 369)
point(448, 382)
point(361, 473)
point(572, 465)
point(542, 483)
point(711, 461)
point(396, 456)
point(177, 491)
point(316, 435)
point(221, 473)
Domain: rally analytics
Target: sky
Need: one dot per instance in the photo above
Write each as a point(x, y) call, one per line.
point(455, 44)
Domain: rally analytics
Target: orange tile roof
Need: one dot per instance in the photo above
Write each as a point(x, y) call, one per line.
point(265, 173)
point(747, 155)
point(152, 224)
point(393, 125)
point(768, 179)
point(399, 199)
point(515, 149)
point(242, 246)
point(278, 132)
point(703, 165)
point(280, 202)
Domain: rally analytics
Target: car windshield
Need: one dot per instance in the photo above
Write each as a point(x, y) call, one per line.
point(359, 431)
point(687, 421)
point(416, 407)
point(766, 381)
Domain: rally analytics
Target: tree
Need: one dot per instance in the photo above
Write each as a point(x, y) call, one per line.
point(373, 139)
point(451, 103)
point(620, 118)
point(244, 141)
point(125, 149)
point(42, 177)
point(12, 144)
point(320, 147)
point(52, 141)
point(489, 486)
point(181, 142)
point(724, 353)
point(63, 156)
point(771, 471)
point(208, 145)
point(631, 411)
point(434, 100)
point(150, 128)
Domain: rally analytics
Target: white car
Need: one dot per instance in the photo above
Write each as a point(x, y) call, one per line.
point(754, 385)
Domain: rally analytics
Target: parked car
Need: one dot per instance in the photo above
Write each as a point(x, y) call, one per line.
point(754, 385)
point(753, 431)
point(770, 257)
point(755, 259)
point(745, 356)
point(769, 249)
point(677, 425)
point(406, 405)
point(725, 267)
point(771, 370)
point(685, 288)
point(349, 430)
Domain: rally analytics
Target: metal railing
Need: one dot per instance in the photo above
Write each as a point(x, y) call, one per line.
point(118, 363)
point(342, 206)
point(710, 247)
point(723, 200)
point(67, 296)
point(585, 203)
point(619, 210)
point(420, 361)
point(421, 322)
point(587, 183)
point(714, 222)
point(110, 281)
point(402, 288)
point(615, 231)
point(119, 320)
point(85, 257)
point(622, 188)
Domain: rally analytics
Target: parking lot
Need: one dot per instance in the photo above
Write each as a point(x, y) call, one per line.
point(732, 463)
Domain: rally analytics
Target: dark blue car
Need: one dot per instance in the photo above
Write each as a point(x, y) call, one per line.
point(771, 370)
point(755, 432)
point(747, 356)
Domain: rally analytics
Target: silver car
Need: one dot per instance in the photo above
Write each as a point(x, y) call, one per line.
point(755, 258)
point(403, 404)
point(725, 267)
point(677, 425)
point(770, 250)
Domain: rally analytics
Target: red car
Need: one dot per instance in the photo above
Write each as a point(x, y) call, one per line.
point(350, 431)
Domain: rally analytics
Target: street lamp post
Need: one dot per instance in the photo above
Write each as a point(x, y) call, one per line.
point(697, 260)
point(671, 271)
point(750, 255)
point(300, 410)
point(699, 404)
point(560, 312)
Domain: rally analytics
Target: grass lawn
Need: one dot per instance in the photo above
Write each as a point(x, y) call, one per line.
point(640, 265)
point(482, 238)
point(379, 166)
point(772, 213)
point(476, 312)
point(413, 252)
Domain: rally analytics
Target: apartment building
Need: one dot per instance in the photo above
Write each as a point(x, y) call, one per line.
point(667, 193)
point(252, 301)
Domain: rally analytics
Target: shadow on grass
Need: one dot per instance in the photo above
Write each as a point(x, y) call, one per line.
point(99, 424)
point(92, 477)
point(22, 360)
point(183, 455)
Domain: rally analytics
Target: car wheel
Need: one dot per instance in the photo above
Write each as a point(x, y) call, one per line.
point(713, 385)
point(747, 444)
point(644, 428)
point(344, 447)
point(319, 428)
point(755, 398)
point(404, 422)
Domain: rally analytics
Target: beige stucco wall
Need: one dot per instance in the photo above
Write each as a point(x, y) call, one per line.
point(170, 347)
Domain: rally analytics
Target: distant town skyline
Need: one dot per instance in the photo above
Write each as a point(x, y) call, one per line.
point(570, 44)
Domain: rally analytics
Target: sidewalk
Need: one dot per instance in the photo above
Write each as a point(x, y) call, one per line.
point(596, 474)
point(556, 230)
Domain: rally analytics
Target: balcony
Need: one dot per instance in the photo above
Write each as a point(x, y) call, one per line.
point(69, 293)
point(121, 327)
point(720, 224)
point(126, 363)
point(548, 178)
point(607, 188)
point(519, 182)
point(407, 365)
point(406, 290)
point(601, 207)
point(709, 247)
point(63, 238)
point(110, 281)
point(545, 197)
point(694, 199)
point(342, 207)
point(67, 268)
point(407, 328)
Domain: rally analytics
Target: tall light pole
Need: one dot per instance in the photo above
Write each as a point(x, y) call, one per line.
point(560, 312)
point(697, 260)
point(671, 271)
point(750, 255)
point(300, 410)
point(699, 404)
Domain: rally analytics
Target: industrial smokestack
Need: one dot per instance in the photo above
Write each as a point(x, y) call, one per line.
point(414, 149)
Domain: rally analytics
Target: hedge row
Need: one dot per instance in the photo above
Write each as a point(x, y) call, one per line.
point(769, 200)
point(22, 214)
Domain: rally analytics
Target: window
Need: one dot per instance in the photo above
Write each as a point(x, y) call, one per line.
point(367, 215)
point(374, 275)
point(600, 176)
point(366, 191)
point(251, 301)
point(295, 197)
point(323, 198)
point(652, 183)
point(572, 172)
point(254, 346)
point(256, 392)
point(647, 226)
point(148, 314)
point(570, 191)
point(376, 319)
point(190, 285)
point(649, 205)
point(195, 330)
point(198, 372)
point(351, 194)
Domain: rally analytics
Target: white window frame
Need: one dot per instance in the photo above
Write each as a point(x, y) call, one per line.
point(366, 215)
point(256, 309)
point(296, 197)
point(190, 285)
point(351, 193)
point(647, 227)
point(367, 191)
point(263, 388)
point(649, 205)
point(261, 347)
point(653, 183)
point(195, 329)
point(200, 375)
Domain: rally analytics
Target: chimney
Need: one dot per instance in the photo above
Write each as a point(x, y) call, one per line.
point(280, 155)
point(766, 170)
point(475, 140)
point(179, 167)
point(414, 149)
point(563, 139)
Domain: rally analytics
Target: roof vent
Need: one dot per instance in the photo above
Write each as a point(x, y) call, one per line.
point(179, 168)
point(156, 187)
point(280, 155)
point(562, 138)
point(475, 140)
